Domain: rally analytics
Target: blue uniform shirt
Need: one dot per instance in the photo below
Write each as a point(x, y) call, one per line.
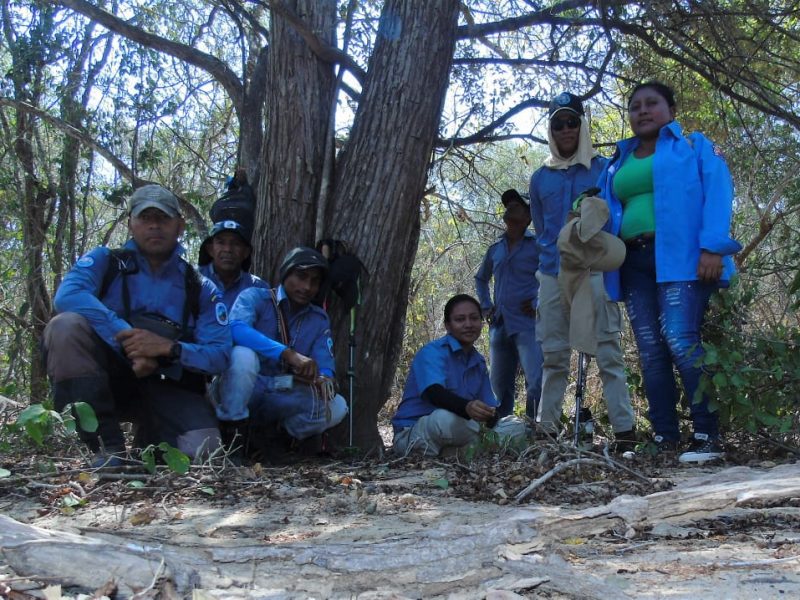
point(443, 361)
point(515, 281)
point(229, 294)
point(693, 201)
point(552, 193)
point(255, 325)
point(163, 293)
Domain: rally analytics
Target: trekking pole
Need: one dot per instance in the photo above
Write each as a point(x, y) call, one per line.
point(580, 387)
point(351, 367)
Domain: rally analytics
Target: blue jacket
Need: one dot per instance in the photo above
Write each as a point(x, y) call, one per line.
point(254, 322)
point(693, 196)
point(443, 361)
point(162, 293)
point(244, 281)
point(552, 193)
point(514, 282)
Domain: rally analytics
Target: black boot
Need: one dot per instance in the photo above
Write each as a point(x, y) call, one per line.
point(235, 437)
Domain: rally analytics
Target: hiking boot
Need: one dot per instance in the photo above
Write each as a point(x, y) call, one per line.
point(703, 449)
point(625, 441)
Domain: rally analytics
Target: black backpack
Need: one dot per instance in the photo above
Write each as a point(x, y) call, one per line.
point(123, 262)
point(238, 203)
point(346, 275)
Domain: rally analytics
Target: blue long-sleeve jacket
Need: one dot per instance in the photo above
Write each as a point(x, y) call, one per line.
point(163, 293)
point(552, 193)
point(229, 294)
point(515, 281)
point(693, 201)
point(443, 362)
point(254, 322)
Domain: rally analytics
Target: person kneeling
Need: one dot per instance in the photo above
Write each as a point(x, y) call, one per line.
point(448, 393)
point(282, 365)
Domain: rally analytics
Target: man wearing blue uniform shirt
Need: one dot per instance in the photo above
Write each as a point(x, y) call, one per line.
point(448, 394)
point(282, 366)
point(225, 260)
point(137, 333)
point(572, 167)
point(512, 262)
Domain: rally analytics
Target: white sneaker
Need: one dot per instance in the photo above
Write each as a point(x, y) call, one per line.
point(703, 449)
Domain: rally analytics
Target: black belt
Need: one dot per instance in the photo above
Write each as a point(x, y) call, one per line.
point(641, 241)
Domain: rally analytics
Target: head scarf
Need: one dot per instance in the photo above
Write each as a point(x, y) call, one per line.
point(583, 155)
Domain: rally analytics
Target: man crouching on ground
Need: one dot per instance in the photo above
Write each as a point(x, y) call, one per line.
point(282, 366)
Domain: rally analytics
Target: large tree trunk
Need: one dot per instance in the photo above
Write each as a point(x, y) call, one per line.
point(298, 104)
point(380, 182)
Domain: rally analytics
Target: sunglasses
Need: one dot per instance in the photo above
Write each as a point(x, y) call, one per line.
point(572, 123)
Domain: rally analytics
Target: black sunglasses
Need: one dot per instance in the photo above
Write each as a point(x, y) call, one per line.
point(572, 123)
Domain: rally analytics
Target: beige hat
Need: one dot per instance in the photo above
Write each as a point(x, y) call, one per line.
point(153, 196)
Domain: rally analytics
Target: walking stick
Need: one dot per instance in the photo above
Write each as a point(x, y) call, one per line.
point(351, 366)
point(580, 388)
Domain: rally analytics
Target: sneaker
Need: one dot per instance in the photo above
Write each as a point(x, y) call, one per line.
point(658, 446)
point(703, 449)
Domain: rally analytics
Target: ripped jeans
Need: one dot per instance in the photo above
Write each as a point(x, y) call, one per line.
point(666, 319)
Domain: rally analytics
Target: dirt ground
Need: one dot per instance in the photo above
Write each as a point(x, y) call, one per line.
point(405, 528)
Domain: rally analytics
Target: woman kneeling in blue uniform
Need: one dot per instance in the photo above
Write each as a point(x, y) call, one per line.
point(448, 393)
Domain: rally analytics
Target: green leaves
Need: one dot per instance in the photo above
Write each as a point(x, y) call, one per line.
point(176, 461)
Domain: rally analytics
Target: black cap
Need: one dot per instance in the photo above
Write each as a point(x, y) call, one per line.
point(302, 258)
point(513, 195)
point(565, 101)
point(204, 257)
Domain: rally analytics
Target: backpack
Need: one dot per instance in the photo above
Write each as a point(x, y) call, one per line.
point(345, 275)
point(238, 203)
point(123, 262)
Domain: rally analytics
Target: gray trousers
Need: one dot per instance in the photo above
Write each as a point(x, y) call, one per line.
point(552, 330)
point(442, 430)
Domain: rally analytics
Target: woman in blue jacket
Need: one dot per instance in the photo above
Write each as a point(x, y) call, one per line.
point(670, 198)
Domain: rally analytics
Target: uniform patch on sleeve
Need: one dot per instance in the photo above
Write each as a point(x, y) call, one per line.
point(718, 151)
point(85, 261)
point(330, 345)
point(221, 312)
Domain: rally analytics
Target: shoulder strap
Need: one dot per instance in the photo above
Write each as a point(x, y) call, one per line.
point(283, 332)
point(193, 286)
point(121, 262)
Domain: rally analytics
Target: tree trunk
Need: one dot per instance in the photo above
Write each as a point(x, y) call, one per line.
point(298, 104)
point(380, 183)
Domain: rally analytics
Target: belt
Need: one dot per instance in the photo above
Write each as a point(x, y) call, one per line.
point(641, 241)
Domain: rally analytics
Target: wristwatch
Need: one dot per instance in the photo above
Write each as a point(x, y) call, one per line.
point(175, 352)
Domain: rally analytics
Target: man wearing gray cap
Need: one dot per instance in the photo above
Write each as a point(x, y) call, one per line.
point(572, 167)
point(282, 366)
point(137, 334)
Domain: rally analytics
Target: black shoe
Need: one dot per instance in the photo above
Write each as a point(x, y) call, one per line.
point(235, 438)
point(658, 446)
point(703, 449)
point(625, 441)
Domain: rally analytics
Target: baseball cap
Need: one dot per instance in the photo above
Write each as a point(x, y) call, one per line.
point(153, 196)
point(302, 258)
point(512, 195)
point(565, 101)
point(228, 225)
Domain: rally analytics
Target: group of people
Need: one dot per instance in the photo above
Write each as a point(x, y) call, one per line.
point(195, 357)
point(190, 357)
point(668, 198)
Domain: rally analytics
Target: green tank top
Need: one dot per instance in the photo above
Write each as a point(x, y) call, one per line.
point(633, 185)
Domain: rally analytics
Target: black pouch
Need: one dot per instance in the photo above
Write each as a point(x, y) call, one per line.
point(166, 328)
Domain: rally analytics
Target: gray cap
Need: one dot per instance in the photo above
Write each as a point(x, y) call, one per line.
point(153, 196)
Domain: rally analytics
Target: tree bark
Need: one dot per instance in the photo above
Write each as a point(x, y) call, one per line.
point(298, 105)
point(380, 183)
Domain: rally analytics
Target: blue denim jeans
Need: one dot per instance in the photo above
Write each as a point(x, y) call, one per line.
point(666, 319)
point(242, 392)
point(506, 352)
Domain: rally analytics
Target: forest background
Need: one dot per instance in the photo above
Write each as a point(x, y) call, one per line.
point(394, 126)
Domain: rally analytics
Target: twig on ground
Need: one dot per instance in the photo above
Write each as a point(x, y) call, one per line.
point(156, 577)
point(555, 471)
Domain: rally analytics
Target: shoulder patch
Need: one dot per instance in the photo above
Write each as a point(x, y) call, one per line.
point(330, 345)
point(85, 261)
point(718, 151)
point(221, 312)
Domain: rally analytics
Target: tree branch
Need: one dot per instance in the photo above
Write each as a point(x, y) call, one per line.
point(210, 64)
